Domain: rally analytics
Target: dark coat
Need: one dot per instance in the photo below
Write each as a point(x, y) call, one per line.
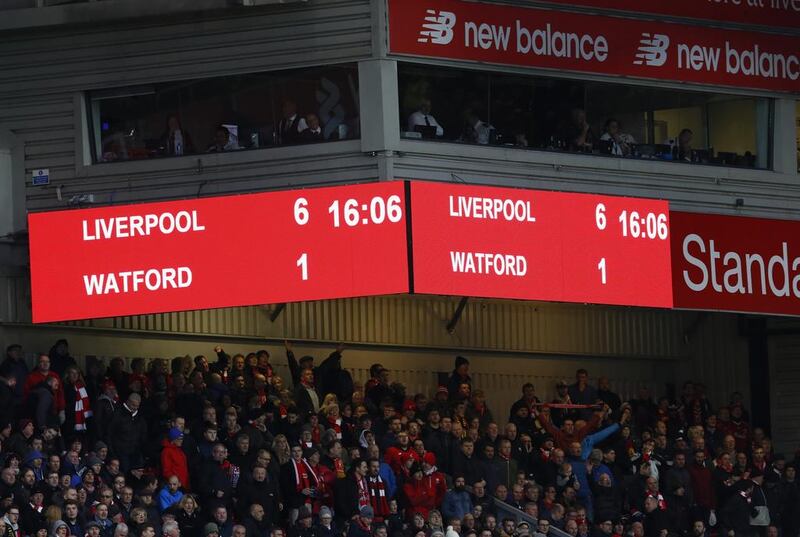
point(127, 432)
point(345, 494)
point(266, 493)
point(213, 479)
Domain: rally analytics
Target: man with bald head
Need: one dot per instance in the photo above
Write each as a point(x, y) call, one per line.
point(127, 433)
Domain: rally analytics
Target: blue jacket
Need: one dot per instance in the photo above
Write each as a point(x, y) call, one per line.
point(456, 504)
point(595, 438)
point(166, 498)
point(580, 473)
point(389, 479)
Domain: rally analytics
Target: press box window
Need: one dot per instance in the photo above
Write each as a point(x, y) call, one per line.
point(224, 114)
point(619, 120)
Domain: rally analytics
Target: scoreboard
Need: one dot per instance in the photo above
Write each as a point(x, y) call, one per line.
point(537, 245)
point(406, 237)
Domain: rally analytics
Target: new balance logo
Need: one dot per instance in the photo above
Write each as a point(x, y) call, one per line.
point(652, 50)
point(437, 28)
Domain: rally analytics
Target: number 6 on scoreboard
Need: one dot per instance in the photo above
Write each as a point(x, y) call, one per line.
point(302, 262)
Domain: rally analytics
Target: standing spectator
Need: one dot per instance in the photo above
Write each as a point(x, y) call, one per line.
point(608, 397)
point(104, 409)
point(457, 503)
point(14, 366)
point(460, 375)
point(351, 493)
point(298, 482)
point(128, 432)
point(42, 403)
point(216, 479)
point(262, 489)
point(60, 358)
point(420, 493)
point(581, 393)
point(78, 408)
point(305, 394)
point(378, 491)
point(173, 459)
point(39, 375)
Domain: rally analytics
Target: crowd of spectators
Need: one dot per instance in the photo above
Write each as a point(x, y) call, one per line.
point(192, 447)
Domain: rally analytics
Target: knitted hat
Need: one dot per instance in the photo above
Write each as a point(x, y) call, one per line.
point(210, 528)
point(366, 512)
point(325, 511)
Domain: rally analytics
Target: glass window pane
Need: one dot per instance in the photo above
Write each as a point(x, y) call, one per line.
point(603, 119)
point(225, 114)
point(797, 142)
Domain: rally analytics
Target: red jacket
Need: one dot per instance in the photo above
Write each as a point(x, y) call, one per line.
point(702, 486)
point(396, 457)
point(173, 463)
point(421, 497)
point(562, 439)
point(438, 484)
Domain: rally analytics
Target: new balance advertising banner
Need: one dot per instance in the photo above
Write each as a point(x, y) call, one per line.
point(766, 12)
point(550, 39)
point(732, 263)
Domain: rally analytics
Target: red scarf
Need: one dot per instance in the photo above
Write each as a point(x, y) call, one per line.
point(338, 467)
point(363, 492)
point(302, 477)
point(83, 408)
point(336, 425)
point(377, 496)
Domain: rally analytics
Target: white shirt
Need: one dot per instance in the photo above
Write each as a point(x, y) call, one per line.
point(615, 148)
point(482, 132)
point(418, 118)
point(301, 123)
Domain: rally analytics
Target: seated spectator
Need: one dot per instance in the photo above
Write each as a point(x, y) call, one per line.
point(423, 118)
point(313, 133)
point(176, 140)
point(223, 141)
point(578, 133)
point(684, 145)
point(291, 124)
point(477, 131)
point(621, 142)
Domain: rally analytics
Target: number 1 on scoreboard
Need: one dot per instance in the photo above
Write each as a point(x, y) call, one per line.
point(302, 262)
point(601, 266)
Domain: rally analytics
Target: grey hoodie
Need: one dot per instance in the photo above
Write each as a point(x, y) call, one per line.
point(57, 524)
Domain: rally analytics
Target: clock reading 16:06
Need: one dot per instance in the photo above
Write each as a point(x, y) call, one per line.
point(646, 226)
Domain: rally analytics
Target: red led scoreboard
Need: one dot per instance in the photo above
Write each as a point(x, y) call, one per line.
point(536, 245)
point(349, 241)
point(217, 252)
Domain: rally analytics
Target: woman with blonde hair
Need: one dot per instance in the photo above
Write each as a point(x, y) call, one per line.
point(187, 516)
point(52, 514)
point(280, 447)
point(330, 399)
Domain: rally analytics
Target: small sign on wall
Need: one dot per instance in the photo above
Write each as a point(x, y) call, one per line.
point(40, 177)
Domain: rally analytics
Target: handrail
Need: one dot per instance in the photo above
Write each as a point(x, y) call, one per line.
point(515, 513)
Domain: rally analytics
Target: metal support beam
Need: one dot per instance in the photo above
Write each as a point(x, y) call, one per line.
point(277, 312)
point(451, 325)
